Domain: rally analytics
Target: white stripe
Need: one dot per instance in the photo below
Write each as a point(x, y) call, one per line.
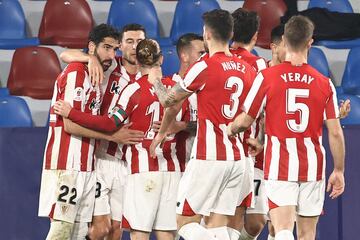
point(253, 91)
point(74, 154)
point(293, 173)
point(174, 157)
point(261, 64)
point(241, 148)
point(324, 156)
point(210, 141)
point(275, 158)
point(56, 147)
point(192, 74)
point(195, 143)
point(70, 88)
point(228, 145)
point(162, 163)
point(336, 107)
point(55, 93)
point(128, 157)
point(46, 146)
point(143, 158)
point(90, 158)
point(118, 115)
point(127, 93)
point(312, 159)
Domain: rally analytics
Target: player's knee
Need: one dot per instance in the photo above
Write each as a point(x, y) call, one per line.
point(99, 229)
point(183, 220)
point(255, 225)
point(306, 234)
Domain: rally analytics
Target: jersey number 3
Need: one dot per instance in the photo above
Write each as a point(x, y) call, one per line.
point(292, 107)
point(229, 110)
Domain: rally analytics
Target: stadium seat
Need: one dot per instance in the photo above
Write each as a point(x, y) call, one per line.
point(14, 112)
point(4, 92)
point(354, 116)
point(13, 26)
point(270, 12)
point(187, 17)
point(66, 23)
point(171, 62)
point(254, 52)
point(332, 5)
point(350, 81)
point(33, 72)
point(318, 60)
point(135, 11)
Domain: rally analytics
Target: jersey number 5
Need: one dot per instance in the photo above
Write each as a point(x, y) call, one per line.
point(292, 107)
point(229, 110)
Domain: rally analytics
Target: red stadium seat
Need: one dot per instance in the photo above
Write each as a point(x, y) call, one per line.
point(270, 12)
point(66, 23)
point(33, 72)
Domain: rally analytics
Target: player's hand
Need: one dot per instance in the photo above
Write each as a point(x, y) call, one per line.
point(345, 108)
point(62, 108)
point(255, 146)
point(96, 71)
point(155, 74)
point(156, 126)
point(125, 135)
point(228, 130)
point(159, 139)
point(336, 184)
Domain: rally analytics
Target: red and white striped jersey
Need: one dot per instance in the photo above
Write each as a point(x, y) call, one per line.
point(296, 100)
point(221, 83)
point(139, 103)
point(65, 151)
point(118, 79)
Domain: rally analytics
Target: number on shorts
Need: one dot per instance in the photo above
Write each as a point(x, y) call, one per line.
point(97, 190)
point(257, 186)
point(64, 192)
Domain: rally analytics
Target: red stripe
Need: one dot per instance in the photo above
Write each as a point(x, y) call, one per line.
point(220, 146)
point(134, 159)
point(201, 137)
point(112, 147)
point(235, 148)
point(64, 149)
point(49, 149)
point(187, 210)
point(267, 158)
point(167, 156)
point(303, 159)
point(284, 161)
point(259, 160)
point(246, 146)
point(319, 157)
point(84, 154)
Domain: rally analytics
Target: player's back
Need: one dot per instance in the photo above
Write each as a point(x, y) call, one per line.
point(258, 63)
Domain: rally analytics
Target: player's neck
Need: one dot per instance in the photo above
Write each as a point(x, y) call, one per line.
point(274, 61)
point(296, 58)
point(215, 47)
point(144, 70)
point(237, 45)
point(182, 70)
point(130, 68)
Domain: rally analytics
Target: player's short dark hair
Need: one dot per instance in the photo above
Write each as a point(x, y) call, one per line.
point(277, 33)
point(185, 41)
point(132, 27)
point(298, 31)
point(246, 24)
point(148, 52)
point(100, 32)
point(220, 23)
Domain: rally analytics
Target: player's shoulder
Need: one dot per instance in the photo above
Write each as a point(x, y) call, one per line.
point(169, 80)
point(76, 66)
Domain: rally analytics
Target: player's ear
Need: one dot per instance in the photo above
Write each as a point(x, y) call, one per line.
point(255, 37)
point(91, 47)
point(310, 43)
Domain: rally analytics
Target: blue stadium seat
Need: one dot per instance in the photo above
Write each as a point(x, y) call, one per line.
point(171, 62)
point(14, 112)
point(335, 6)
point(187, 17)
point(318, 60)
point(254, 52)
point(332, 5)
point(143, 12)
point(13, 26)
point(350, 81)
point(354, 116)
point(4, 92)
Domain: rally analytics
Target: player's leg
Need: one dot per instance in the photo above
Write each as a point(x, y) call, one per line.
point(189, 228)
point(100, 227)
point(271, 229)
point(254, 224)
point(217, 225)
point(165, 235)
point(311, 202)
point(236, 223)
point(139, 235)
point(283, 220)
point(59, 230)
point(116, 230)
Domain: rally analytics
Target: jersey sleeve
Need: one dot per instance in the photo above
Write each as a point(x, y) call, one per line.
point(195, 78)
point(260, 64)
point(254, 99)
point(95, 122)
point(331, 107)
point(75, 89)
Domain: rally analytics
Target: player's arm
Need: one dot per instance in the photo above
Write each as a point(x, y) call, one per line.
point(170, 97)
point(96, 71)
point(78, 130)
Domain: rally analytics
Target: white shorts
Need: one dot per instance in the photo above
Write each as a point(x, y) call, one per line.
point(210, 186)
point(261, 202)
point(67, 195)
point(247, 189)
point(150, 201)
point(110, 180)
point(308, 197)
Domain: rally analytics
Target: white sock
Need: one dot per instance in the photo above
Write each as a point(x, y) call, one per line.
point(270, 237)
point(233, 233)
point(220, 233)
point(194, 231)
point(59, 230)
point(244, 235)
point(80, 230)
point(284, 235)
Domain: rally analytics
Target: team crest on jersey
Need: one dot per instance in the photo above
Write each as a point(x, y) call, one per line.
point(78, 92)
point(115, 87)
point(64, 209)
